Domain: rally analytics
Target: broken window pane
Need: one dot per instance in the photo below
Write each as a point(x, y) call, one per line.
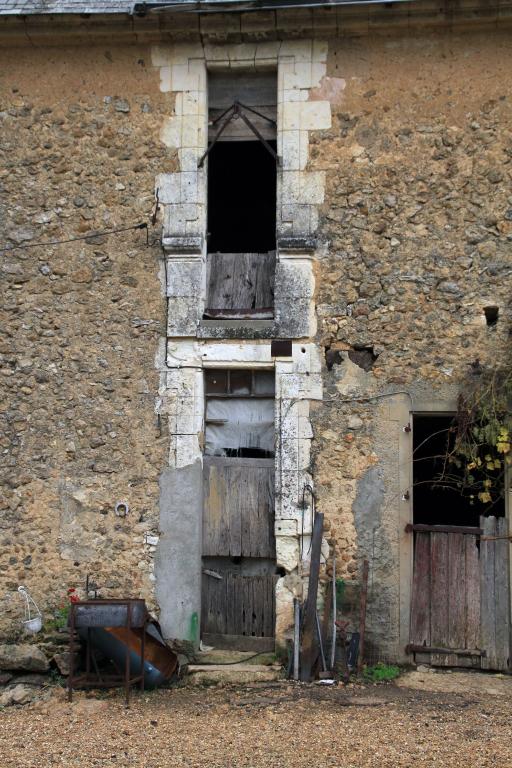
point(264, 383)
point(216, 382)
point(240, 382)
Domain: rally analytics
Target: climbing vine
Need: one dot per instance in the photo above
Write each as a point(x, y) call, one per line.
point(480, 447)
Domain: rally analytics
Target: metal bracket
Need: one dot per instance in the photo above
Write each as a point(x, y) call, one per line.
point(237, 110)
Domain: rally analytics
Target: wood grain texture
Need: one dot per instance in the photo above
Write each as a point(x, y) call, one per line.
point(238, 507)
point(421, 597)
point(487, 594)
point(456, 593)
point(445, 607)
point(502, 595)
point(240, 281)
point(239, 605)
point(472, 558)
point(308, 643)
point(439, 581)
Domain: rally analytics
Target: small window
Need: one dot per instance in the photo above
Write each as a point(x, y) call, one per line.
point(239, 419)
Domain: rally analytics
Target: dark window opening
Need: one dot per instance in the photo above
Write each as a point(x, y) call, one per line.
point(241, 198)
point(438, 501)
point(241, 205)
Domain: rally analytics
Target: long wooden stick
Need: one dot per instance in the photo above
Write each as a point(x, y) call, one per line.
point(362, 614)
point(308, 649)
point(296, 637)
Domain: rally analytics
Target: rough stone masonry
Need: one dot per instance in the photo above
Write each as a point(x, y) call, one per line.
point(414, 239)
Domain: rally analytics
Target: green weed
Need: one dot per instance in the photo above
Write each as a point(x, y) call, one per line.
point(381, 673)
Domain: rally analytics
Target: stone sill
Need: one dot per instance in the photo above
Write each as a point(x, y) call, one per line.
point(248, 324)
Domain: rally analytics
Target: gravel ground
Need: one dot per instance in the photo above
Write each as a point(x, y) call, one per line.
point(274, 726)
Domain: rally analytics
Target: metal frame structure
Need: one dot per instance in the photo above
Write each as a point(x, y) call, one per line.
point(103, 614)
point(234, 112)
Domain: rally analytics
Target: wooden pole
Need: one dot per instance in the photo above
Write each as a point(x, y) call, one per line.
point(296, 637)
point(362, 614)
point(308, 650)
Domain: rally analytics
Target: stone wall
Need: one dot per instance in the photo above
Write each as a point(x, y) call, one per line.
point(80, 322)
point(418, 231)
point(415, 231)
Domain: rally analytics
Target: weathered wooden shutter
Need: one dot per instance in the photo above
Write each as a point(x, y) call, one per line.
point(238, 516)
point(241, 283)
point(495, 593)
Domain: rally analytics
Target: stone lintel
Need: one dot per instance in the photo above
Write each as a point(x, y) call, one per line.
point(296, 244)
point(183, 244)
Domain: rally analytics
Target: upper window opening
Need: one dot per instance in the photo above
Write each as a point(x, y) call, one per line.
point(241, 198)
point(241, 170)
point(242, 179)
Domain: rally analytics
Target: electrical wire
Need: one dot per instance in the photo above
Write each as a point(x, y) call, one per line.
point(90, 236)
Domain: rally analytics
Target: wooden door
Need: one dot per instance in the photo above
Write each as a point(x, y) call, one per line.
point(238, 592)
point(460, 612)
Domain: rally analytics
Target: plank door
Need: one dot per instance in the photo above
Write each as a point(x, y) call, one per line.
point(238, 583)
point(460, 611)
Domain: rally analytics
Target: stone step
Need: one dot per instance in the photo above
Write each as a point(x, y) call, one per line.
point(207, 674)
point(220, 656)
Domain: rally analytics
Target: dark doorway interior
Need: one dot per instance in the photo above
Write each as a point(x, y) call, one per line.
point(437, 502)
point(241, 198)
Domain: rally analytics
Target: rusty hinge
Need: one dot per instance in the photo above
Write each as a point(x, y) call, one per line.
point(495, 538)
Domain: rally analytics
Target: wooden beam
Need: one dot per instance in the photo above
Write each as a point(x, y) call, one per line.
point(309, 649)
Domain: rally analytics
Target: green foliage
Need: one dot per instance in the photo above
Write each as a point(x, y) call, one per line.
point(340, 591)
point(60, 618)
point(476, 462)
point(381, 673)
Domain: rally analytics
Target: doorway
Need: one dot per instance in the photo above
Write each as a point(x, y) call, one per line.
point(239, 564)
point(460, 609)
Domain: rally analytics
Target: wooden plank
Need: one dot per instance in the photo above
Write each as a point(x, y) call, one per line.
point(487, 594)
point(420, 602)
point(270, 608)
point(237, 628)
point(252, 545)
point(439, 583)
point(456, 591)
point(420, 527)
point(231, 606)
point(459, 651)
point(264, 279)
point(308, 651)
point(443, 660)
point(240, 281)
point(220, 271)
point(245, 586)
point(260, 512)
point(258, 601)
point(472, 592)
point(502, 594)
point(234, 481)
point(239, 642)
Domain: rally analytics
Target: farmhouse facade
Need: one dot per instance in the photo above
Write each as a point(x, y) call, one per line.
point(248, 258)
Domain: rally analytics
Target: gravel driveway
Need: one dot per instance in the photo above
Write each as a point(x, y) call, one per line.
point(418, 723)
